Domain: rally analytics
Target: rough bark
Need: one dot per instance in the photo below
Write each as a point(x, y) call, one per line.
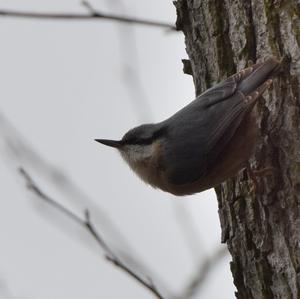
point(261, 228)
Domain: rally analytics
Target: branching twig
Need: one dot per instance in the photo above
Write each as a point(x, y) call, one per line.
point(18, 151)
point(87, 223)
point(93, 15)
point(189, 291)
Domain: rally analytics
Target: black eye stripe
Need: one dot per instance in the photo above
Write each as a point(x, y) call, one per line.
point(143, 137)
point(145, 141)
point(140, 141)
point(159, 133)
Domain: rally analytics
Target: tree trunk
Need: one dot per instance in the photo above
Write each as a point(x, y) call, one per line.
point(261, 227)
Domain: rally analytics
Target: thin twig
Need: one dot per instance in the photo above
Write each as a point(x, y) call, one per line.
point(87, 223)
point(18, 151)
point(93, 15)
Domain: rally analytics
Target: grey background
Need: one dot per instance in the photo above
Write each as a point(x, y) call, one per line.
point(62, 85)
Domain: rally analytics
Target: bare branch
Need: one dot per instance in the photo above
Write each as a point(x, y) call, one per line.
point(92, 16)
point(110, 255)
point(89, 7)
point(189, 291)
point(18, 151)
point(33, 187)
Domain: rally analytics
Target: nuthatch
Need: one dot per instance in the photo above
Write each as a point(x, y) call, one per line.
point(206, 142)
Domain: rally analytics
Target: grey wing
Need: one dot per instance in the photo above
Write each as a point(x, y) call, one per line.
point(219, 92)
point(200, 132)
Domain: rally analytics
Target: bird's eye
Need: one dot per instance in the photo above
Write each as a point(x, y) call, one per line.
point(133, 140)
point(146, 141)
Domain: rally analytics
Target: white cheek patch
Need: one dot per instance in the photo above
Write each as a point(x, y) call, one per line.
point(136, 153)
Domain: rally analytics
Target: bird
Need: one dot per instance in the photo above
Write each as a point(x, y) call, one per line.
point(206, 142)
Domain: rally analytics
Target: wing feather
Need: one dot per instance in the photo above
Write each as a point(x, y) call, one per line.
point(199, 132)
point(192, 149)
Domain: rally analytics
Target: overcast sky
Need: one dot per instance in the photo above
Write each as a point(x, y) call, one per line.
point(64, 84)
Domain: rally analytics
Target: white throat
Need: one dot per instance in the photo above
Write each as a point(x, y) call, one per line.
point(140, 159)
point(136, 153)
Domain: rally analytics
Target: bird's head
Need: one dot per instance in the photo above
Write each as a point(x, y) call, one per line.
point(138, 144)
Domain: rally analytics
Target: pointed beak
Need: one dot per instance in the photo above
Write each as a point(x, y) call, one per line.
point(108, 142)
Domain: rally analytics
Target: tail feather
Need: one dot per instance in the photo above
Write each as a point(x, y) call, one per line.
point(257, 75)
